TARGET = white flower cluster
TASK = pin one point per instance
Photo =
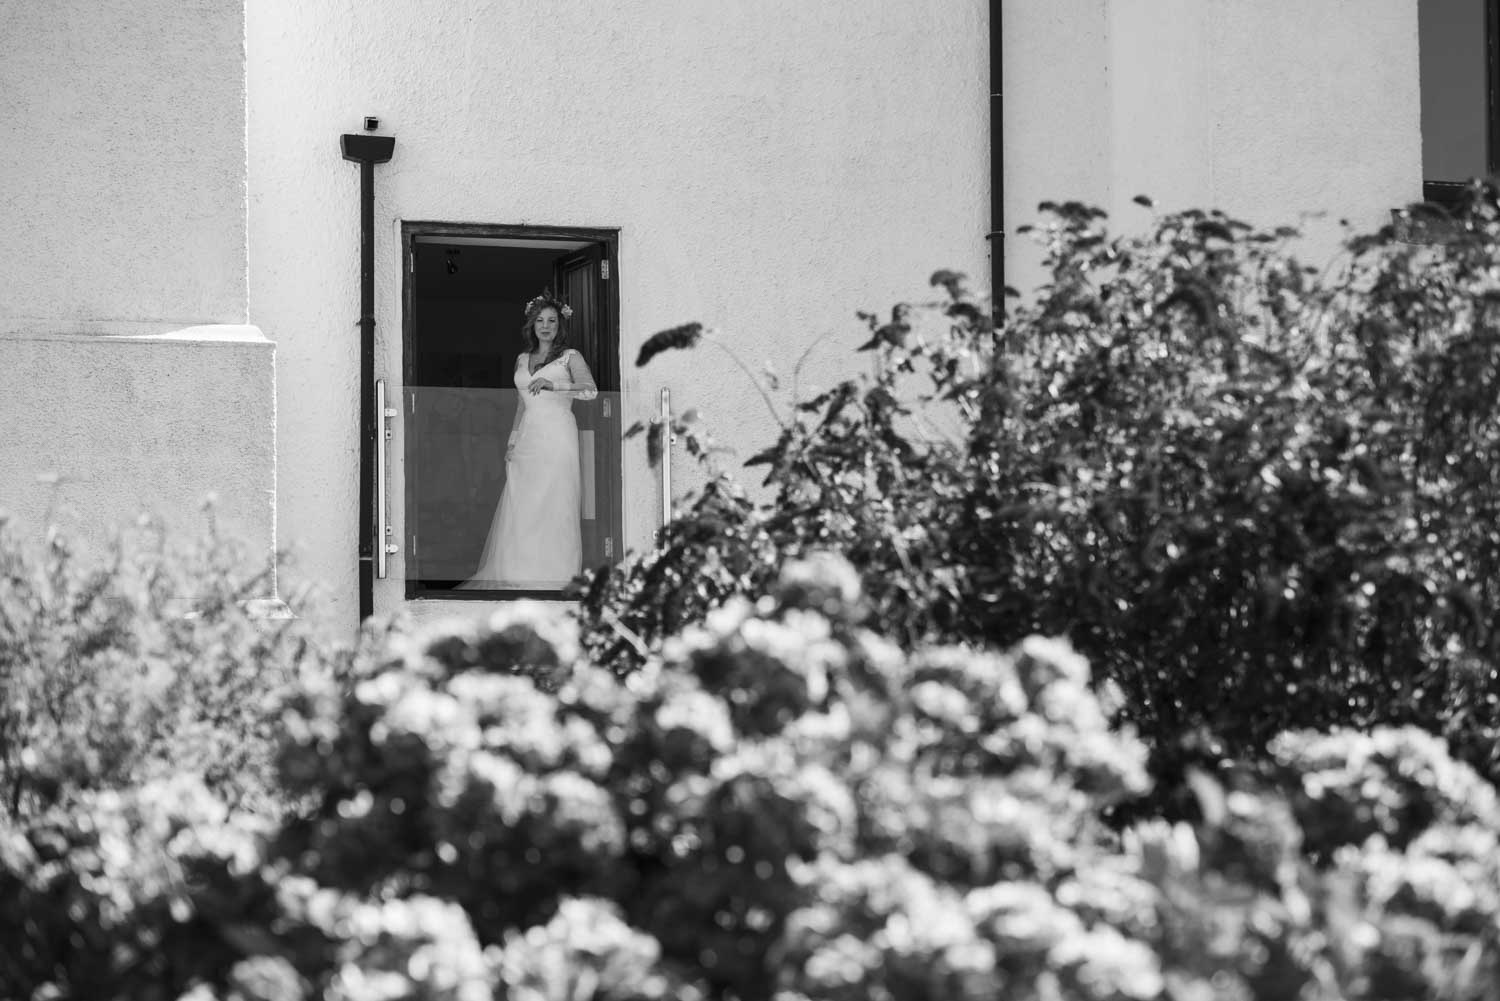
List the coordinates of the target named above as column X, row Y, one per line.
column 547, row 300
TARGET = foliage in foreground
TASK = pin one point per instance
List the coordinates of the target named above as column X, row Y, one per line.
column 785, row 806
column 141, row 662
column 1256, row 495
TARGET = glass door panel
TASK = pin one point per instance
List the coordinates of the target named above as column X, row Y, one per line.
column 504, row 492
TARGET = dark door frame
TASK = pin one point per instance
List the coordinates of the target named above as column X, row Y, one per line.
column 603, row 424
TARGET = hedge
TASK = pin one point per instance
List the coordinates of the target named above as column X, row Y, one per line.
column 784, row 805
column 1257, row 494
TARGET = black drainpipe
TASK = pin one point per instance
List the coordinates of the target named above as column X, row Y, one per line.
column 997, row 164
column 367, row 151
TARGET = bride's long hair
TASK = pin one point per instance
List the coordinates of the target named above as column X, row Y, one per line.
column 528, row 332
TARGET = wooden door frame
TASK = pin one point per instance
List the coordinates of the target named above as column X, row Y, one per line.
column 607, row 506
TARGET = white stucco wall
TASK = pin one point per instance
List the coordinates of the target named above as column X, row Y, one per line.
column 1268, row 111
column 122, row 167
column 113, row 427
column 773, row 165
column 128, row 379
column 1058, row 118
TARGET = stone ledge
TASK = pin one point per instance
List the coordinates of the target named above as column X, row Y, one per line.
column 118, row 332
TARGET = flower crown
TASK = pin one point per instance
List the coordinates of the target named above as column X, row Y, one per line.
column 548, row 299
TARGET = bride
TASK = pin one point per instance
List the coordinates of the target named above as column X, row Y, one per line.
column 535, row 540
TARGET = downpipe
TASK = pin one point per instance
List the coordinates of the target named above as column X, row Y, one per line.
column 367, row 151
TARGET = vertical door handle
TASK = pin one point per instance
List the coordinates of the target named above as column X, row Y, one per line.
column 384, row 547
column 666, row 455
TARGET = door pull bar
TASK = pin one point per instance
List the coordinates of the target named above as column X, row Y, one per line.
column 384, row 547
column 668, row 439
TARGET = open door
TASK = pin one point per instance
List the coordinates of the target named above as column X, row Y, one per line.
column 455, row 393
column 582, row 280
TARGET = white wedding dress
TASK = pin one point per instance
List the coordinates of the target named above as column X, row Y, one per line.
column 535, row 541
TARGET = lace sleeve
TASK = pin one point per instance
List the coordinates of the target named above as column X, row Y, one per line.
column 581, row 378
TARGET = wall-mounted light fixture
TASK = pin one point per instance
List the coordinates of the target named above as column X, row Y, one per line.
column 453, row 253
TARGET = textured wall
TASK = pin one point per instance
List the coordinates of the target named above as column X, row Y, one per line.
column 127, row 377
column 111, row 427
column 122, row 168
column 1316, row 110
column 773, row 165
column 1058, row 118
column 1268, row 111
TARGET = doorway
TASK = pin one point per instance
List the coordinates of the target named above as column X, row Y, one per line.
column 466, row 290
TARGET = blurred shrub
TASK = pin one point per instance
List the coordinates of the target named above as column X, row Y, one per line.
column 138, row 663
column 785, row 805
column 1258, row 495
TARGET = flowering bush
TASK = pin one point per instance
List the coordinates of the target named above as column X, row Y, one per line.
column 124, row 893
column 141, row 662
column 783, row 805
column 1257, row 495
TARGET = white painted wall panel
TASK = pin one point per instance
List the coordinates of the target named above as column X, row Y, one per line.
column 129, row 379
column 1274, row 112
column 101, row 430
column 122, row 169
